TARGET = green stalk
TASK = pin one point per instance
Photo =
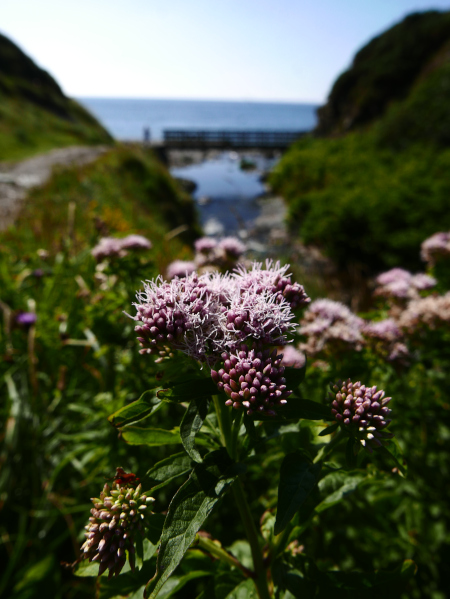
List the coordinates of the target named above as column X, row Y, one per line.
column 220, row 553
column 260, row 578
column 326, row 450
column 224, row 419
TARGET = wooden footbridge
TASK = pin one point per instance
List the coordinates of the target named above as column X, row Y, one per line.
column 229, row 139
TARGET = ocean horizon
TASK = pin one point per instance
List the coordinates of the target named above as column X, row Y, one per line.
column 127, row 118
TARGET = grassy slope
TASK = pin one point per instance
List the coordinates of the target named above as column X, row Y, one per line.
column 35, row 115
column 125, row 191
column 369, row 198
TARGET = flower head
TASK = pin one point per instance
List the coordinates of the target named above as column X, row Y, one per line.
column 253, row 380
column 232, row 247
column 205, row 245
column 435, row 246
column 401, row 284
column 135, row 242
column 112, row 247
column 118, row 515
column 327, row 323
column 273, row 279
column 26, row 319
column 180, row 268
column 361, row 411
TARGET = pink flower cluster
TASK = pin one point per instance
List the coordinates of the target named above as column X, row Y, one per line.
column 207, row 316
column 253, row 380
column 432, row 311
column 401, row 284
column 327, row 324
column 361, row 411
column 438, row 245
column 112, row 247
column 210, row 254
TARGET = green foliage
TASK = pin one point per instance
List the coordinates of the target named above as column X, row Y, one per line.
column 384, row 71
column 368, row 208
column 35, row 115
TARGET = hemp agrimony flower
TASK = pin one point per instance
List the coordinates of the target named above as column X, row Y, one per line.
column 361, row 411
column 252, row 380
column 118, row 515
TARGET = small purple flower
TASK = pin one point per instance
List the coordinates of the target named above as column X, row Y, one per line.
column 431, row 312
column 422, row 281
column 385, row 330
column 26, row 319
column 393, row 276
column 119, row 514
column 108, row 247
column 272, row 279
column 232, row 247
column 38, row 273
column 205, row 245
column 326, row 324
column 252, row 380
column 135, row 242
column 361, row 411
column 401, row 284
column 293, row 357
column 180, row 268
column 435, row 246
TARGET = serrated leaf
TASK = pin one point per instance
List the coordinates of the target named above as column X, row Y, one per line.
column 188, row 510
column 135, row 435
column 298, row 477
column 166, row 470
column 190, row 425
column 145, row 406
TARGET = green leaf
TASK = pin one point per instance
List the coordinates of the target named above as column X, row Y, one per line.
column 188, row 510
column 392, row 450
column 174, row 584
column 134, row 435
column 298, row 477
column 190, row 425
column 187, row 391
column 166, row 470
column 346, row 484
column 294, row 376
column 329, row 430
column 228, row 586
column 145, row 406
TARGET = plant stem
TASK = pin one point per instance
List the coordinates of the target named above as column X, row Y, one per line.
column 220, row 553
column 326, row 450
column 223, row 417
column 260, row 578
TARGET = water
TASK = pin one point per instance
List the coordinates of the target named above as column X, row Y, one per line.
column 227, row 196
column 125, row 119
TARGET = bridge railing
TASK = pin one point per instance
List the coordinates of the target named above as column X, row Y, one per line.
column 178, row 138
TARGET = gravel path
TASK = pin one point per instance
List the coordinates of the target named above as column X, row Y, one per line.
column 17, row 178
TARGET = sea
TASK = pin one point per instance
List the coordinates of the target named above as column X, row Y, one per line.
column 227, row 197
column 126, row 119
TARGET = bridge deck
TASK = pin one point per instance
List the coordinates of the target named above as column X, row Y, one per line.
column 236, row 139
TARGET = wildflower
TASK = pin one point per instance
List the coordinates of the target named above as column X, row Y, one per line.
column 205, row 245
column 180, row 268
column 135, row 242
column 327, row 324
column 112, row 247
column 118, row 515
column 232, row 247
column 435, row 246
column 386, row 336
column 293, row 357
column 272, row 279
column 431, row 311
column 26, row 319
column 401, row 284
column 252, row 379
column 361, row 411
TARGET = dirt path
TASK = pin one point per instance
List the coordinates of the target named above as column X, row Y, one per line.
column 17, row 178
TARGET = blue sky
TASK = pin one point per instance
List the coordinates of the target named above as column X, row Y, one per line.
column 282, row 50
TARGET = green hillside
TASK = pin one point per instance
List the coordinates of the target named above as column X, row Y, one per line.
column 35, row 115
column 368, row 197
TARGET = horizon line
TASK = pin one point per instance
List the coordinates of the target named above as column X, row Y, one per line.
column 230, row 100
